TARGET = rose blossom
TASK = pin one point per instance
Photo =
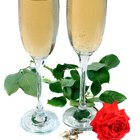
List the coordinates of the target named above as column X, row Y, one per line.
column 110, row 123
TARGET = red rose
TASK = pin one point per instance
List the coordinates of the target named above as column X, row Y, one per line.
column 110, row 123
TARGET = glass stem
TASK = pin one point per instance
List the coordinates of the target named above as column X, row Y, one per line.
column 38, row 65
column 83, row 66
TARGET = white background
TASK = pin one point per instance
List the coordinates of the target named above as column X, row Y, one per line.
column 121, row 37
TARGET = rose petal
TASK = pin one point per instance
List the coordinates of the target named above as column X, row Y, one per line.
column 110, row 123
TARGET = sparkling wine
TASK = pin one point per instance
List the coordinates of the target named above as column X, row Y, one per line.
column 38, row 25
column 86, row 20
column 38, row 20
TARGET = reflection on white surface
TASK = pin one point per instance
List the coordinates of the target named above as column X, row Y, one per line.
column 121, row 38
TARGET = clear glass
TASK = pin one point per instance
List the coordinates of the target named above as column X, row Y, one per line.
column 85, row 22
column 38, row 21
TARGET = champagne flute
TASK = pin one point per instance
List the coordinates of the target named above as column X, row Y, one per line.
column 85, row 22
column 38, row 20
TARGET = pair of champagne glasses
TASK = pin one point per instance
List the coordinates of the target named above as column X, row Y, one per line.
column 38, row 21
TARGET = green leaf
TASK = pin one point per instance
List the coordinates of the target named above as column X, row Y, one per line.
column 70, row 66
column 11, row 83
column 55, row 87
column 75, row 94
column 96, row 87
column 33, row 69
column 76, row 85
column 67, row 82
column 67, row 91
column 75, row 75
column 28, row 83
column 95, row 66
column 96, row 99
column 110, row 96
column 74, row 103
column 58, row 101
column 60, row 67
column 75, row 90
column 81, row 114
column 72, row 92
column 101, row 75
column 58, row 72
column 90, row 102
column 110, row 61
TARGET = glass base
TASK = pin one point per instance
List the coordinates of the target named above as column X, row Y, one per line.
column 39, row 122
column 84, row 124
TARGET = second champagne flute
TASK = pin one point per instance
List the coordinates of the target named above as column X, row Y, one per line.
column 85, row 21
column 38, row 20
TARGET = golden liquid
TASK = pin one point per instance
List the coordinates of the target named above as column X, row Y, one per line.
column 86, row 20
column 38, row 25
